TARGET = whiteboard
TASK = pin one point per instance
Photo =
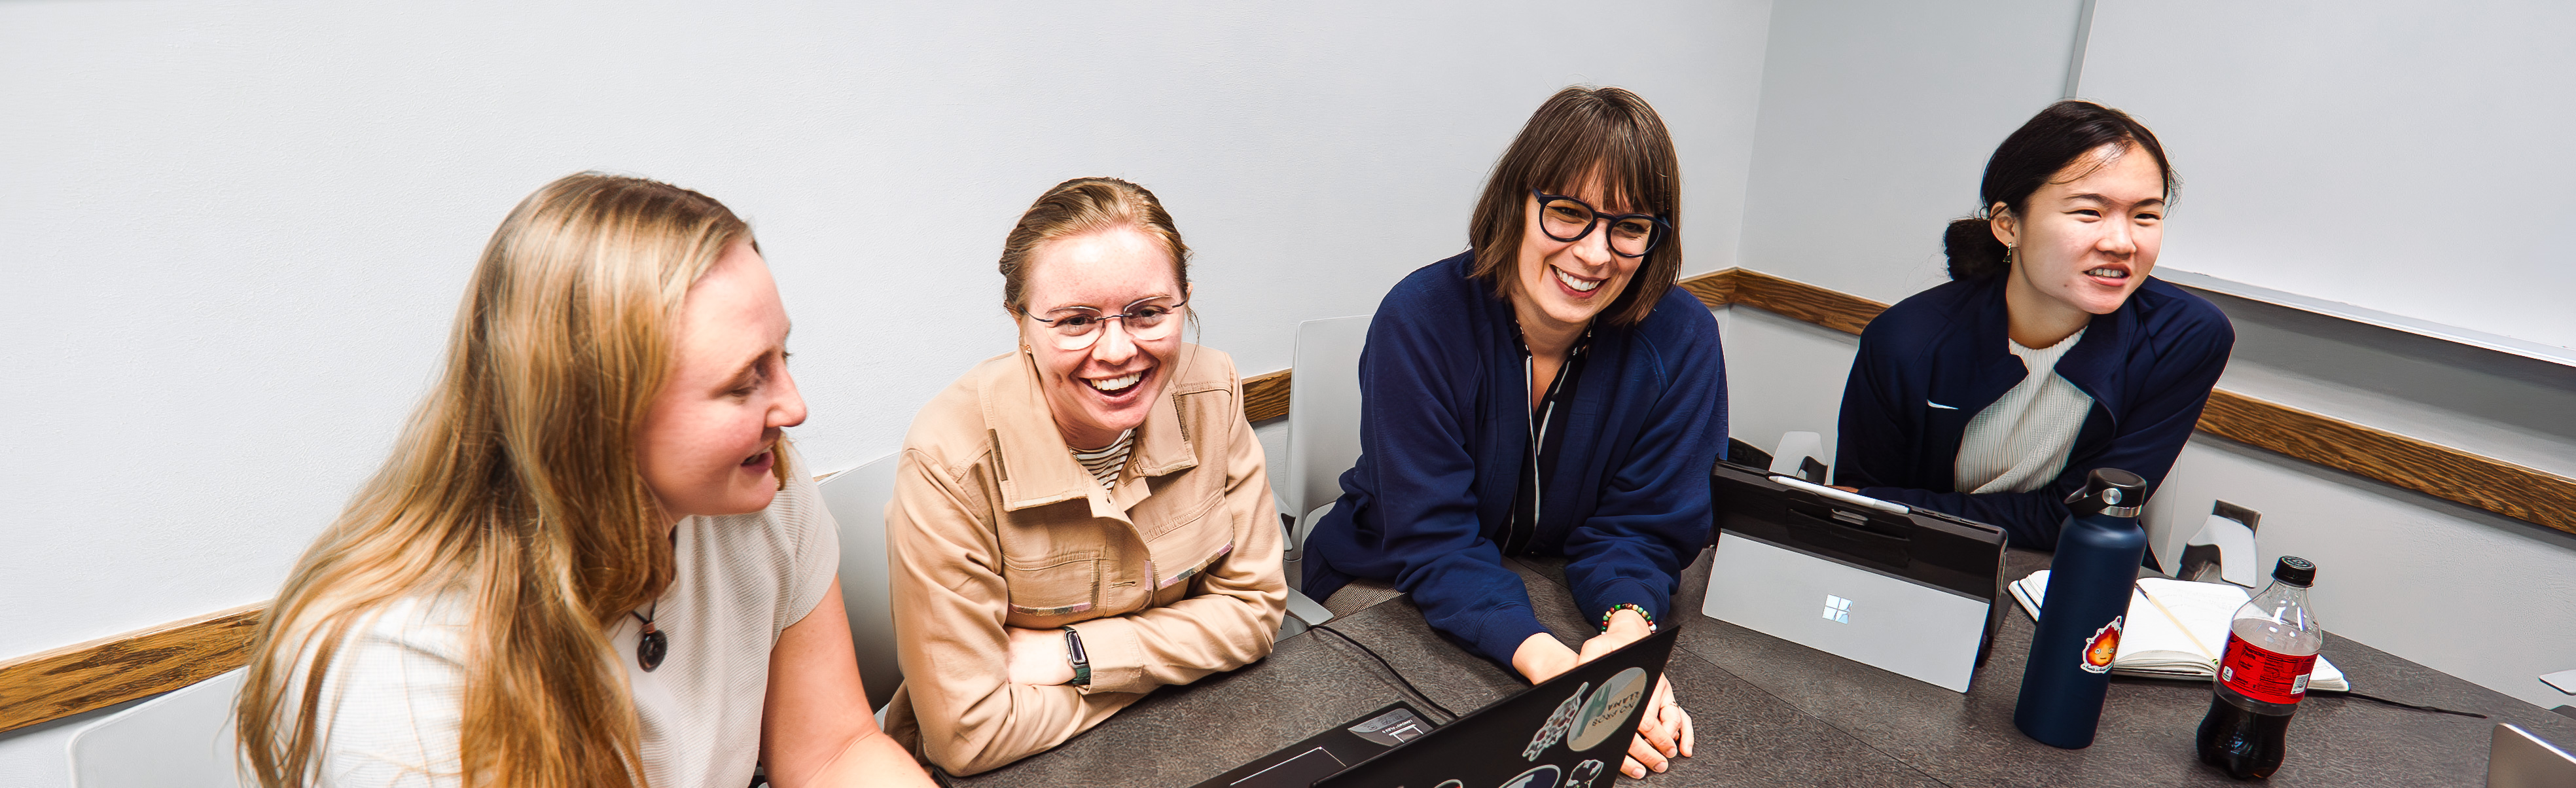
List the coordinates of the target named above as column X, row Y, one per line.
column 2407, row 158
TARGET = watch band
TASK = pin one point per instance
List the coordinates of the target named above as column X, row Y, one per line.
column 1081, row 661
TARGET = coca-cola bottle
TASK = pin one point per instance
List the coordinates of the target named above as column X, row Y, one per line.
column 2271, row 647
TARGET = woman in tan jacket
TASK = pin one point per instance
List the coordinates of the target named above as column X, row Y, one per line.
column 1085, row 518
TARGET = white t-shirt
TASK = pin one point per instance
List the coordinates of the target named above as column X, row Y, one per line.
column 2019, row 444
column 391, row 704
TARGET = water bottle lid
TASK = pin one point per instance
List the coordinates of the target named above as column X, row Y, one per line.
column 2295, row 571
column 2110, row 491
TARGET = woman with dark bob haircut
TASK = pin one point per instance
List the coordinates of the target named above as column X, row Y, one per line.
column 2050, row 352
column 1547, row 392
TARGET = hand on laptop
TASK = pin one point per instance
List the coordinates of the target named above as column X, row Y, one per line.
column 1541, row 657
column 1663, row 733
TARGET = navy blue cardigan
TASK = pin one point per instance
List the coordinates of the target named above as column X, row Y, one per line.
column 1442, row 427
column 1929, row 364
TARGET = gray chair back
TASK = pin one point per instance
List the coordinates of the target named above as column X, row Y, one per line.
column 183, row 739
column 1323, row 419
column 857, row 498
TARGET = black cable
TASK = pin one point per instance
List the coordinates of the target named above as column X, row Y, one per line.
column 2404, row 705
column 1391, row 671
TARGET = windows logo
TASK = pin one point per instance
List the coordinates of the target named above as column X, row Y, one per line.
column 1837, row 609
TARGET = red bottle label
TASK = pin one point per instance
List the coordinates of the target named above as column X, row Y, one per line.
column 2264, row 675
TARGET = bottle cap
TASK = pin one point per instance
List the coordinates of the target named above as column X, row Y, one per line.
column 2110, row 491
column 2295, row 571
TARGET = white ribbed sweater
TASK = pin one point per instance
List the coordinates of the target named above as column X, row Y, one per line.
column 2019, row 444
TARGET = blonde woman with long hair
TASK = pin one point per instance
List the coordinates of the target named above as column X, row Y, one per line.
column 593, row 558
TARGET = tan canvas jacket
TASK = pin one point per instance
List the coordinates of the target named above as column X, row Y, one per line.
column 1171, row 574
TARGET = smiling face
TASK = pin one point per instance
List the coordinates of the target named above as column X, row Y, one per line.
column 1563, row 285
column 2090, row 235
column 708, row 444
column 1097, row 392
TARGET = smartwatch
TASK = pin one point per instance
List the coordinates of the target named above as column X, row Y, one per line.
column 1081, row 661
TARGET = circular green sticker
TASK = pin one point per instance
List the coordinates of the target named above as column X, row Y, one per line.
column 1606, row 709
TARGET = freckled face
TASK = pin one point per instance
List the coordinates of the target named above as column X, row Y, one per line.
column 1097, row 392
column 1569, row 282
column 2092, row 232
column 708, row 444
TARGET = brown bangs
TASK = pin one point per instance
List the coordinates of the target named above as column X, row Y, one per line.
column 1581, row 133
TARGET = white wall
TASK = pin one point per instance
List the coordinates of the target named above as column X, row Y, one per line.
column 2402, row 138
column 236, row 231
column 1876, row 121
column 1877, row 117
column 1782, row 375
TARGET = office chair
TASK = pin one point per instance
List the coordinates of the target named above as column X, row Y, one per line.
column 1323, row 441
column 1323, row 425
column 857, row 498
column 183, row 739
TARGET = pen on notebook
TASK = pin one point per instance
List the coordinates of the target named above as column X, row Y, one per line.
column 2177, row 622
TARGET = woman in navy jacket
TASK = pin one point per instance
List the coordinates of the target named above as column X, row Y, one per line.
column 1547, row 392
column 1942, row 410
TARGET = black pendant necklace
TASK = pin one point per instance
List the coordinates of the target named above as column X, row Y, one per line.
column 653, row 645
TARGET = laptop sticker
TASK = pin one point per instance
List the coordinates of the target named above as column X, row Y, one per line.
column 1602, row 715
column 1583, row 775
column 1541, row 777
column 1392, row 728
column 1557, row 723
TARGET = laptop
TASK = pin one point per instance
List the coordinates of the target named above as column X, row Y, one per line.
column 1569, row 732
column 1905, row 590
column 2517, row 759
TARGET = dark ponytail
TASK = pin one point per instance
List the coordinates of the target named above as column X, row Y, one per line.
column 2057, row 137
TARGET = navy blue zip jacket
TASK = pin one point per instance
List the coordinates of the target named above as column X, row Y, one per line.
column 1443, row 421
column 1930, row 363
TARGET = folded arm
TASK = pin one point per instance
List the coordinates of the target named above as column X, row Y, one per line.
column 951, row 601
column 1233, row 610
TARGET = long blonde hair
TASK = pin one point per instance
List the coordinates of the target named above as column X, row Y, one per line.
column 516, row 487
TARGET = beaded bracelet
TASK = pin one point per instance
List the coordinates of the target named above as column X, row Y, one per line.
column 1641, row 612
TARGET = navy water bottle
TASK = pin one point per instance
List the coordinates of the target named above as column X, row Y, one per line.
column 2098, row 550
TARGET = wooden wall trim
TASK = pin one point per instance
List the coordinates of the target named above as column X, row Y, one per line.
column 2504, row 488
column 1791, row 298
column 1265, row 397
column 111, row 670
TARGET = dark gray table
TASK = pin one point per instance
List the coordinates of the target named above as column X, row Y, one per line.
column 1770, row 712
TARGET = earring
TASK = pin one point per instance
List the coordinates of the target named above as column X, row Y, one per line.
column 2009, row 249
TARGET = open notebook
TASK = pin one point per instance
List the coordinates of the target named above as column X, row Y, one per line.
column 2175, row 629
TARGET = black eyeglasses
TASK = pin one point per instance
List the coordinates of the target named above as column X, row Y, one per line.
column 1567, row 219
column 1145, row 322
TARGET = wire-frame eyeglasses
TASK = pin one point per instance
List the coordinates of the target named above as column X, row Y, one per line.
column 1145, row 322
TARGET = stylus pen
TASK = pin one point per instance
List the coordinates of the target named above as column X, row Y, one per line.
column 1853, row 498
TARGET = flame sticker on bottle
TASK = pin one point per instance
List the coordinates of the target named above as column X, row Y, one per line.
column 2104, row 646
column 2262, row 674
